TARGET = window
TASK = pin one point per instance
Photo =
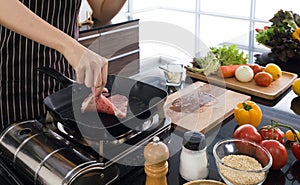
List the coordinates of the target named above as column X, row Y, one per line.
column 213, row 22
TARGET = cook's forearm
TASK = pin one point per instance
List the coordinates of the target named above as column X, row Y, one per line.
column 17, row 17
column 105, row 10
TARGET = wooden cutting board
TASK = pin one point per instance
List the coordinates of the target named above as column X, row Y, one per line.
column 270, row 93
column 201, row 106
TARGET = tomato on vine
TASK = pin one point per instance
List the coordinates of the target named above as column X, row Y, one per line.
column 289, row 135
column 272, row 132
column 296, row 150
column 296, row 143
column 278, row 153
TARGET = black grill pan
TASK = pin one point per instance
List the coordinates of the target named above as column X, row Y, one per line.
column 145, row 109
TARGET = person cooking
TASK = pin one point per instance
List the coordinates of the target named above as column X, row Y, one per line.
column 42, row 33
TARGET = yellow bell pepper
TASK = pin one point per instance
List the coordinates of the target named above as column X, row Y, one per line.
column 296, row 34
column 247, row 112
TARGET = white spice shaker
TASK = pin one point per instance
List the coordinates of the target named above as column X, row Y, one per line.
column 193, row 157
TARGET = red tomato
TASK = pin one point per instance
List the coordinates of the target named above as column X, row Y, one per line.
column 278, row 152
column 247, row 132
column 258, row 29
column 256, row 68
column 269, row 132
column 245, row 148
column 262, row 156
column 296, row 150
column 263, row 79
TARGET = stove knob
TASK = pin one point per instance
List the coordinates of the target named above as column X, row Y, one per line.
column 156, row 154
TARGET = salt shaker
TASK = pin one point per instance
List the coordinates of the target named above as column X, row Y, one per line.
column 193, row 158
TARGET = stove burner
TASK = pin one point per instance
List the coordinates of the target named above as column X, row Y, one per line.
column 88, row 142
column 110, row 151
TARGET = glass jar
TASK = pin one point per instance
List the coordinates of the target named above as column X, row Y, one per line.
column 193, row 157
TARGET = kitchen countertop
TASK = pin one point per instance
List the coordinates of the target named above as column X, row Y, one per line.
column 118, row 20
column 282, row 109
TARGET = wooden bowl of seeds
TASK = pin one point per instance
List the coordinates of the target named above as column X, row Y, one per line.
column 204, row 182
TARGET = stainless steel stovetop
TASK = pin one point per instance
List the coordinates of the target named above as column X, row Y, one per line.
column 43, row 155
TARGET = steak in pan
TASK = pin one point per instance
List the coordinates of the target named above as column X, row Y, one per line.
column 114, row 105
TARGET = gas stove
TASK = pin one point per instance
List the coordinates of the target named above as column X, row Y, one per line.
column 42, row 154
column 107, row 152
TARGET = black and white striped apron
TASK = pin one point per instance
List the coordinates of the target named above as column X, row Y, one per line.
column 22, row 89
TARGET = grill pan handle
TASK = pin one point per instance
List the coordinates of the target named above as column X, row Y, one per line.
column 64, row 80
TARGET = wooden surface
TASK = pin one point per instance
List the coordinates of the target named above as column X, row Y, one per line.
column 204, row 182
column 270, row 93
column 207, row 116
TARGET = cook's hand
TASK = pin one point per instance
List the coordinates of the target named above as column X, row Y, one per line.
column 91, row 68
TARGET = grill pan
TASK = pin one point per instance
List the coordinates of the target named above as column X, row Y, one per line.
column 145, row 108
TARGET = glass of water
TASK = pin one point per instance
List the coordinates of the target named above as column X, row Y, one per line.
column 173, row 74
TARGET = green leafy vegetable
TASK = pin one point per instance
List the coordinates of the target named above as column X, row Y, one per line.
column 216, row 57
column 286, row 19
column 279, row 36
column 207, row 65
column 265, row 36
column 230, row 55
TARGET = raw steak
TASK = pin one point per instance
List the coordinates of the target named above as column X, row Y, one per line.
column 113, row 105
column 191, row 102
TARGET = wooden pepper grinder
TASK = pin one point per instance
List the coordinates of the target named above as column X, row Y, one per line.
column 156, row 154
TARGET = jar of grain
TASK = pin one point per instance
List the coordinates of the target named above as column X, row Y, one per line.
column 193, row 157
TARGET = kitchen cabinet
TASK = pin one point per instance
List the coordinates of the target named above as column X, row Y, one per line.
column 117, row 41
